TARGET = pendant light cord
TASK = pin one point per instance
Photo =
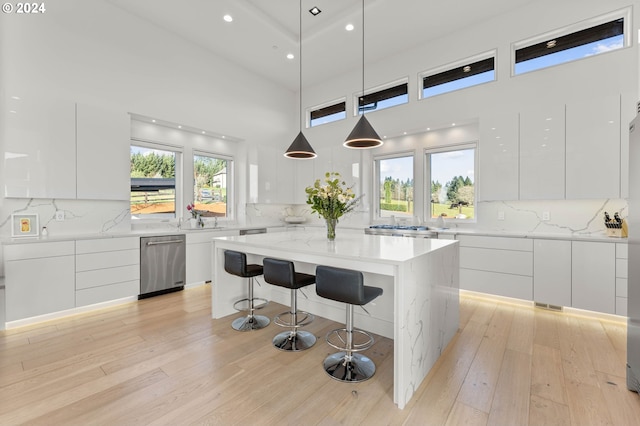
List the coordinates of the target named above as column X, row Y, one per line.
column 300, row 59
column 363, row 57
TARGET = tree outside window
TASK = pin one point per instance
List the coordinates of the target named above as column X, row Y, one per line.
column 455, row 198
column 396, row 186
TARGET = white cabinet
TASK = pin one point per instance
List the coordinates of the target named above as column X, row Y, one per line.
column 593, row 149
column 199, row 252
column 497, row 265
column 498, row 156
column 304, row 176
column 542, row 146
column 593, row 269
column 40, row 148
column 106, row 269
column 622, row 269
column 57, row 149
column 273, row 181
column 552, row 272
column 103, row 154
column 40, row 278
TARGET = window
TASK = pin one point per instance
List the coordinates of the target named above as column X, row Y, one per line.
column 395, row 186
column 211, row 184
column 153, row 182
column 603, row 34
column 384, row 98
column 328, row 114
column 460, row 75
column 451, row 172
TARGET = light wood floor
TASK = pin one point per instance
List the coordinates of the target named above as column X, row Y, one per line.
column 164, row 361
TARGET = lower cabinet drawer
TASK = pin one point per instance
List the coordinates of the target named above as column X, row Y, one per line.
column 101, row 277
column 107, row 293
column 502, row 261
column 517, row 286
column 621, row 306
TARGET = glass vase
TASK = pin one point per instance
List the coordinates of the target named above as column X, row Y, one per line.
column 331, row 229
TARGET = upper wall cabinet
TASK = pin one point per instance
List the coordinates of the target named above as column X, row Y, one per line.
column 40, row 148
column 542, row 158
column 271, row 179
column 57, row 149
column 103, row 164
column 498, row 157
column 593, row 149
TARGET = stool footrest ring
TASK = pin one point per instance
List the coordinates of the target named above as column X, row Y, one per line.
column 264, row 302
column 337, row 339
column 304, row 318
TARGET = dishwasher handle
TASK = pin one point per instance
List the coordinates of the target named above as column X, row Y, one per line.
column 156, row 243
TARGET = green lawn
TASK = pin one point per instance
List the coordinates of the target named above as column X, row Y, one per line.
column 438, row 209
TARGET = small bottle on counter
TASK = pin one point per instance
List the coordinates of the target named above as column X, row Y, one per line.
column 45, row 233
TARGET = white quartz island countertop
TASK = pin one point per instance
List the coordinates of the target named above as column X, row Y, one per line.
column 419, row 308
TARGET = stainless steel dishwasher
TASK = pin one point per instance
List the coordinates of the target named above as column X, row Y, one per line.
column 162, row 264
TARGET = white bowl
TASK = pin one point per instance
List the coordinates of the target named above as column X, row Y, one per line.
column 294, row 219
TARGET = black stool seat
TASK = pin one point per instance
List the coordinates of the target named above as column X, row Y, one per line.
column 235, row 263
column 282, row 273
column 347, row 286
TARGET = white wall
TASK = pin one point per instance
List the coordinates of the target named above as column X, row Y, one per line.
column 611, row 73
column 88, row 51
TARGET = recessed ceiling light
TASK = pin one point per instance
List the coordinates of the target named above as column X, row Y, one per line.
column 179, row 127
column 153, row 121
column 15, row 98
column 224, row 137
column 203, row 132
column 349, row 27
column 453, row 124
column 228, row 18
column 314, row 11
column 290, row 56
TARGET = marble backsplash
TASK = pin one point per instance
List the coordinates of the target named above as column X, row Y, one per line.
column 567, row 217
column 82, row 217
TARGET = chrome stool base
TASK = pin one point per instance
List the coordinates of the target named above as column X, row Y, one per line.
column 357, row 368
column 294, row 341
column 251, row 322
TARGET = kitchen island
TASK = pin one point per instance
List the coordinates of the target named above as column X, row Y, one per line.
column 419, row 308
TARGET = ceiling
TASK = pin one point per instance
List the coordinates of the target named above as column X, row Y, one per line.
column 264, row 31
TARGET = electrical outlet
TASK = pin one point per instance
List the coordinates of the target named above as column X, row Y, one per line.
column 59, row 215
column 500, row 215
column 546, row 216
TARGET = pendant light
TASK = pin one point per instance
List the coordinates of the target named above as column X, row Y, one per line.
column 300, row 148
column 363, row 136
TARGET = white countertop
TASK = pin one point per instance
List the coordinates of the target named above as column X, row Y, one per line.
column 347, row 245
column 523, row 234
column 602, row 237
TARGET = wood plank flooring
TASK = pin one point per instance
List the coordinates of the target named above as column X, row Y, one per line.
column 164, row 361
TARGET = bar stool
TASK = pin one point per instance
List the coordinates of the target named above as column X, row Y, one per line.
column 344, row 285
column 235, row 263
column 282, row 273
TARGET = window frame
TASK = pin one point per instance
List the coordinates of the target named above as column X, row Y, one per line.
column 451, row 66
column 329, row 104
column 230, row 214
column 586, row 24
column 375, row 90
column 376, row 180
column 179, row 180
column 427, row 179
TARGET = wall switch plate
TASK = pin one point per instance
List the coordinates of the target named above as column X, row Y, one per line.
column 546, row 216
column 500, row 215
column 59, row 215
